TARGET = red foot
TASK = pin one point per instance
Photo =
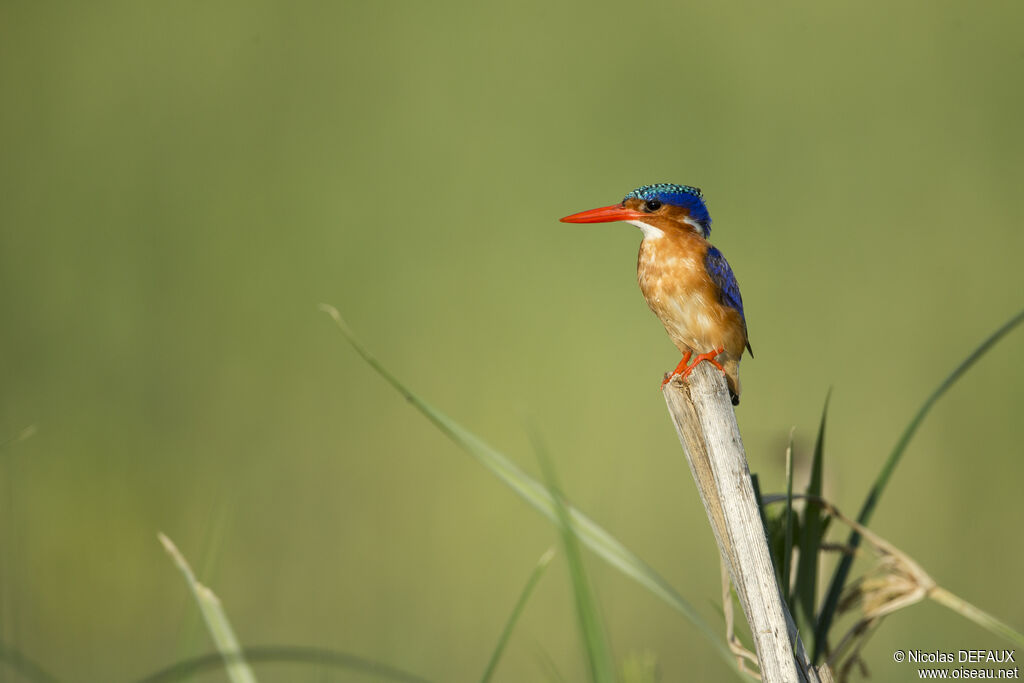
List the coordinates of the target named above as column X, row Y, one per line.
column 683, row 370
column 679, row 369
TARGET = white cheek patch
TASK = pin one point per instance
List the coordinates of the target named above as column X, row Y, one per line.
column 650, row 232
column 695, row 224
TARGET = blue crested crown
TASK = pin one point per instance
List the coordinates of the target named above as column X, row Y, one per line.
column 684, row 196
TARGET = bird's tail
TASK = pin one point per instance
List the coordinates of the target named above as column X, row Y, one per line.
column 732, row 377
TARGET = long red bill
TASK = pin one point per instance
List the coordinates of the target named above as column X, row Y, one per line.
column 605, row 214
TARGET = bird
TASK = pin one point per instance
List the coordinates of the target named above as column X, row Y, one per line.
column 685, row 280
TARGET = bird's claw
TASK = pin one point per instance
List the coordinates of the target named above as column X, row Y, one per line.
column 669, row 376
column 710, row 357
column 684, row 369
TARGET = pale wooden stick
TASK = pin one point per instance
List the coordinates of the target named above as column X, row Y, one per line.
column 743, row 655
column 704, row 418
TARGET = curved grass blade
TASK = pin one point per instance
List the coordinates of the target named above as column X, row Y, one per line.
column 842, row 570
column 549, row 666
column 9, row 618
column 191, row 636
column 27, row 668
column 641, row 667
column 606, row 546
column 595, row 640
column 531, row 583
column 811, row 531
column 787, row 548
column 24, row 435
column 283, row 655
column 216, row 620
column 976, row 614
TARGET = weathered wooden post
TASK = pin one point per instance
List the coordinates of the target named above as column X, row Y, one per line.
column 704, row 418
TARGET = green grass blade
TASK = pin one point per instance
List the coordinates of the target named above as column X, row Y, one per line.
column 24, row 435
column 842, row 570
column 595, row 641
column 606, row 546
column 531, row 583
column 191, row 633
column 897, row 452
column 216, row 620
column 978, row 616
column 275, row 654
column 811, row 530
column 787, row 548
column 10, row 529
column 549, row 666
column 641, row 667
column 29, row 669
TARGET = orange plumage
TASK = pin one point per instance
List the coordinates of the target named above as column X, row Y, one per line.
column 685, row 281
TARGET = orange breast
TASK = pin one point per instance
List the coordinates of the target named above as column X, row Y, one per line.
column 677, row 287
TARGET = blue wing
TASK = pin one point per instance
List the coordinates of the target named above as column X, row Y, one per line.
column 729, row 290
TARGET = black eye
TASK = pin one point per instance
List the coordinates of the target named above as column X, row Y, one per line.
column 652, row 205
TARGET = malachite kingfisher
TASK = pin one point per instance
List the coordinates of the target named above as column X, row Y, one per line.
column 686, row 281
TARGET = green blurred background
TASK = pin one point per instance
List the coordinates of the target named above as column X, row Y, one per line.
column 181, row 183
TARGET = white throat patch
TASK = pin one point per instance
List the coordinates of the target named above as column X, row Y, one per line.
column 650, row 232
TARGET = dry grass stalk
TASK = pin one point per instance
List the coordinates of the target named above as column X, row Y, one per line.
column 894, row 582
